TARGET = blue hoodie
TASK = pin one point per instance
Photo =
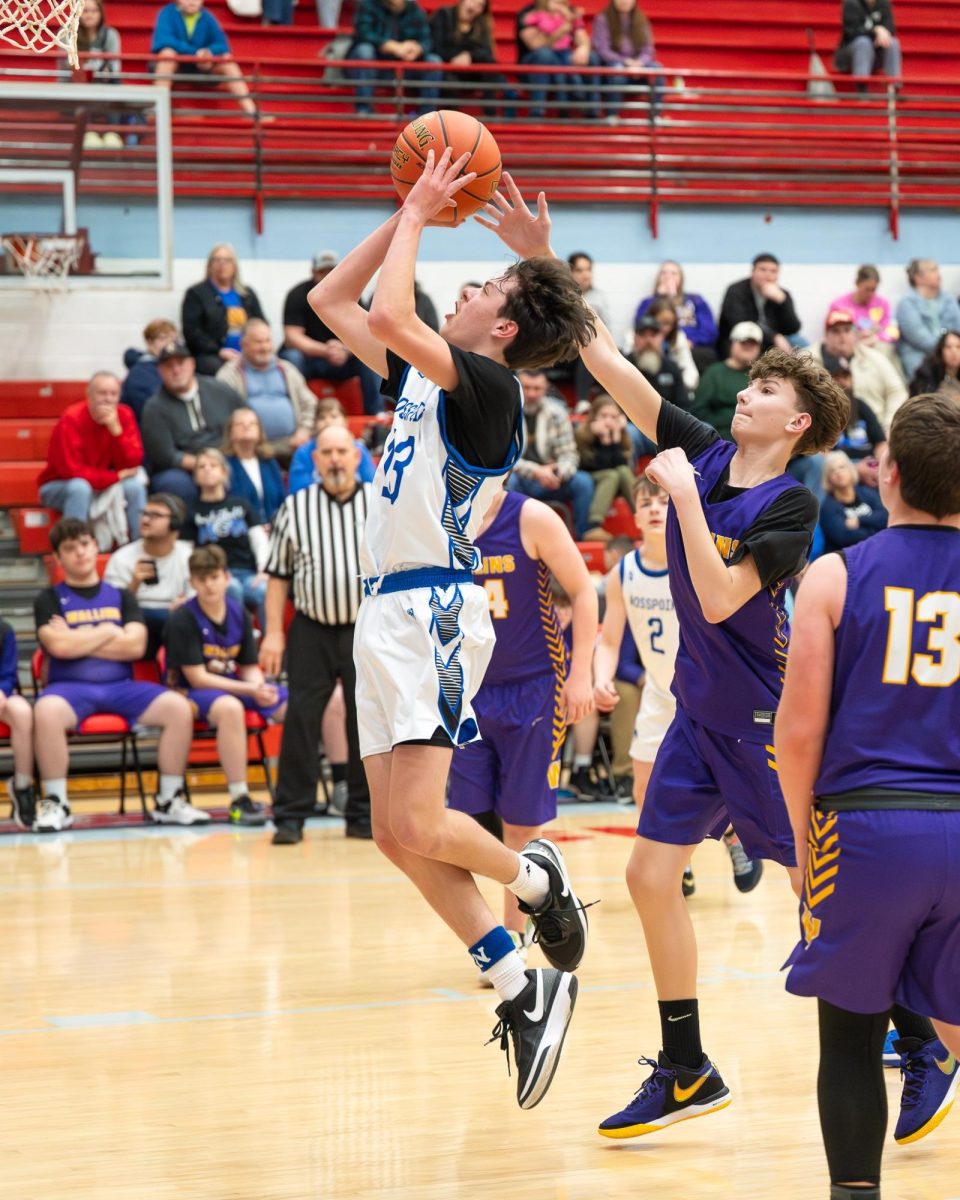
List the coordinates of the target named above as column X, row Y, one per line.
column 170, row 33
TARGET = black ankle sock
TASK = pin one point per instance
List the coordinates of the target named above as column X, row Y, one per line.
column 339, row 772
column 680, row 1029
column 839, row 1191
column 912, row 1025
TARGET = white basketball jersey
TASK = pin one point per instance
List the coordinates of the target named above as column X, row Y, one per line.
column 426, row 503
column 653, row 621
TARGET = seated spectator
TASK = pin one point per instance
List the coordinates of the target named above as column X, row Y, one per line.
column 722, row 382
column 254, row 473
column 621, row 36
column 188, row 413
column 675, row 344
column 552, row 33
column 870, row 313
column 868, row 41
column 761, row 299
column 143, row 378
column 92, row 633
column 17, row 714
column 218, row 518
column 581, row 268
column 548, row 469
column 186, row 29
column 924, row 315
column 693, row 313
column 273, row 388
column 875, row 379
column 303, row 469
column 606, row 453
column 939, row 370
column 212, row 660
column 96, row 37
column 313, row 349
column 153, row 569
column 864, row 439
column 397, row 31
column 850, row 511
column 462, row 37
column 278, row 12
column 216, row 311
column 96, row 448
column 652, row 361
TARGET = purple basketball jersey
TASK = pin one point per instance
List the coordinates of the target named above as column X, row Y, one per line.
column 529, row 641
column 729, row 676
column 895, row 710
column 77, row 611
column 220, row 649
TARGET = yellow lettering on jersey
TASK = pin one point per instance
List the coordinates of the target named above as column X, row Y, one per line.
column 92, row 616
column 725, row 545
column 497, row 564
column 497, row 599
column 553, row 774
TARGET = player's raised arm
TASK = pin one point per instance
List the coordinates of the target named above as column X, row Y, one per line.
column 529, row 236
column 393, row 317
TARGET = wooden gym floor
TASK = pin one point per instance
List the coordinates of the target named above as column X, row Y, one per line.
column 199, row 1014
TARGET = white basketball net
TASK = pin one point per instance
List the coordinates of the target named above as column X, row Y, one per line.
column 41, row 25
column 46, row 259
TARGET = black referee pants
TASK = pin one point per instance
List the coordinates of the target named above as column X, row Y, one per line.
column 317, row 656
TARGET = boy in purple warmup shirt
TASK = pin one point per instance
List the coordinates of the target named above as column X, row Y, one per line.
column 868, row 743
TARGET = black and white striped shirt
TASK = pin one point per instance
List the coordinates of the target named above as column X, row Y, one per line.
column 315, row 543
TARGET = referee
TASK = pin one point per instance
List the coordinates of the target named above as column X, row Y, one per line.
column 315, row 548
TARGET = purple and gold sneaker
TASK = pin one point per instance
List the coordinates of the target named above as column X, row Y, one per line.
column 930, row 1077
column 672, row 1093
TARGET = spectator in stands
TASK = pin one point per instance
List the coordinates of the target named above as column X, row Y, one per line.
column 153, row 569
column 212, row 660
column 621, row 36
column 650, row 358
column 218, row 518
column 17, row 714
column 675, row 344
column 864, row 439
column 606, row 453
column 185, row 29
column 96, row 447
column 761, row 299
column 868, row 41
column 923, row 315
column 254, row 473
column 96, row 37
column 143, row 378
column 188, row 413
column 871, row 313
column 278, row 12
column 850, row 511
column 273, row 388
column 312, row 348
column 92, row 633
column 693, row 312
column 303, row 469
column 548, row 469
column 398, row 31
column 940, row 370
column 722, row 382
column 581, row 268
column 875, row 379
column 216, row 311
column 462, row 37
column 552, row 33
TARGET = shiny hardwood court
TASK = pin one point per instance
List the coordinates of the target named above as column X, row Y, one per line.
column 198, row 1014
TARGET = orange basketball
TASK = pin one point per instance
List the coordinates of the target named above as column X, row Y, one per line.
column 465, row 135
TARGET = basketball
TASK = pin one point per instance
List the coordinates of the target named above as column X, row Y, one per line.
column 464, row 135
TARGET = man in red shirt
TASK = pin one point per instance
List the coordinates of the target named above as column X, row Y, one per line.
column 95, row 444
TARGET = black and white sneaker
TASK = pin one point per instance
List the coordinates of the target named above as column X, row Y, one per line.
column 24, row 803
column 244, row 811
column 53, row 816
column 560, row 923
column 536, row 1022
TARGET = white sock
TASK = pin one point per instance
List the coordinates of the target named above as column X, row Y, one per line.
column 22, row 781
column 56, row 788
column 168, row 787
column 532, row 884
column 508, row 975
column 581, row 760
column 237, row 790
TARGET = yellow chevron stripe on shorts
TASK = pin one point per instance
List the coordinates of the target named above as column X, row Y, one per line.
column 557, row 650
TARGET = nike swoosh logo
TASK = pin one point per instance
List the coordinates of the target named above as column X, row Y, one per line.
column 536, row 1013
column 948, row 1066
column 682, row 1094
column 685, row 1017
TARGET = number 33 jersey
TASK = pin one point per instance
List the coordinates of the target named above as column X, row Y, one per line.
column 653, row 621
column 445, row 459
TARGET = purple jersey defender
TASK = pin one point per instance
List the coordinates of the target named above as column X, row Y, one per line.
column 515, row 769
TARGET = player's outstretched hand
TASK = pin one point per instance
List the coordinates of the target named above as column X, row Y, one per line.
column 605, row 696
column 436, row 187
column 672, row 471
column 576, row 699
column 514, row 223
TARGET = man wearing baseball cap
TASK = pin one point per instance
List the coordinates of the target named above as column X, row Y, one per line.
column 721, row 382
column 875, row 379
column 312, row 347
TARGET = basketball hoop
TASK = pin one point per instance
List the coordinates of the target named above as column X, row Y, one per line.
column 41, row 25
column 44, row 259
